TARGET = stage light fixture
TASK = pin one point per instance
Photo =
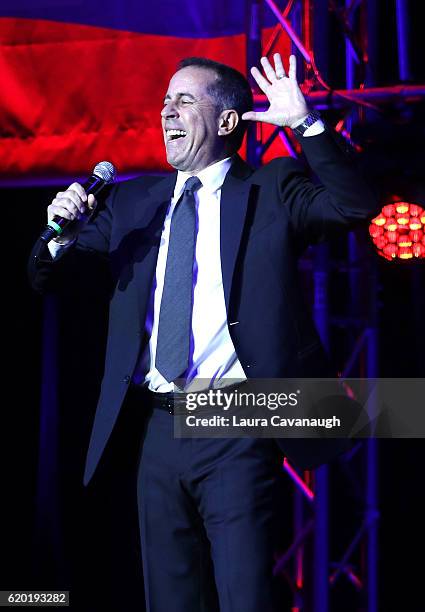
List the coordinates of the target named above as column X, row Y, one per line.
column 398, row 231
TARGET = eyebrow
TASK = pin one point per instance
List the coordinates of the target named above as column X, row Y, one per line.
column 180, row 95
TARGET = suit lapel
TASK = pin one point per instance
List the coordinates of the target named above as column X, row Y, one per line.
column 159, row 193
column 150, row 223
column 233, row 208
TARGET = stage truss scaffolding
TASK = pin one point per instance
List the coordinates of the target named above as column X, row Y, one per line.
column 307, row 564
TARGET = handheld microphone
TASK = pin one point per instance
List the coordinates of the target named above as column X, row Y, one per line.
column 103, row 174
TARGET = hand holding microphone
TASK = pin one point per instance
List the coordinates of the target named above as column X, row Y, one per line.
column 74, row 206
column 71, row 209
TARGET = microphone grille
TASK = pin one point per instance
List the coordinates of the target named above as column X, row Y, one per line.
column 106, row 171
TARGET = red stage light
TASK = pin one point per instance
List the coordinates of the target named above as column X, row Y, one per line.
column 392, row 236
column 418, row 249
column 398, row 231
column 402, row 207
column 416, row 235
column 391, row 225
column 389, row 210
column 379, row 220
column 415, row 223
column 404, row 240
column 380, row 242
column 402, row 218
column 390, row 250
column 405, row 253
column 415, row 210
column 375, row 230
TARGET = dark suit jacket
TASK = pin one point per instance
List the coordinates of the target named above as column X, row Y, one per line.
column 267, row 218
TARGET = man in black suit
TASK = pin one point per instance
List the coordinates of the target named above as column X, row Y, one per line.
column 205, row 277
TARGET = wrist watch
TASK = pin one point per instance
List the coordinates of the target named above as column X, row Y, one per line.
column 308, row 121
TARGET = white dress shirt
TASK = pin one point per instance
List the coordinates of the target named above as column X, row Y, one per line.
column 214, row 359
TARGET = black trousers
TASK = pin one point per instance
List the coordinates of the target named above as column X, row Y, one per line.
column 207, row 520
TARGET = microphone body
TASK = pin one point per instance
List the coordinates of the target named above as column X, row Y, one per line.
column 103, row 175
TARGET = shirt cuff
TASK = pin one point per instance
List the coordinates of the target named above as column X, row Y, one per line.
column 56, row 249
column 316, row 128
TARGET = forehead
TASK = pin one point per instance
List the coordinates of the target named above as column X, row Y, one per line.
column 192, row 80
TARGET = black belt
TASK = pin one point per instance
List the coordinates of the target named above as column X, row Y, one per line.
column 160, row 401
column 167, row 401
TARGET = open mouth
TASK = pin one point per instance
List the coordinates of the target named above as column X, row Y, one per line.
column 175, row 134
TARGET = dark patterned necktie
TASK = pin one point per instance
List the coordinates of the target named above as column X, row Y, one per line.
column 175, row 315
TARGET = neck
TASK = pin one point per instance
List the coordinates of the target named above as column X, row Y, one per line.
column 223, row 155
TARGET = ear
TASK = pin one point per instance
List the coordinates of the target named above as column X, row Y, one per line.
column 227, row 122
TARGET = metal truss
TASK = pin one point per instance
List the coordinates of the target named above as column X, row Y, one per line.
column 297, row 20
column 307, row 564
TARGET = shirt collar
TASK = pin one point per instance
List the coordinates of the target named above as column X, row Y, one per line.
column 212, row 177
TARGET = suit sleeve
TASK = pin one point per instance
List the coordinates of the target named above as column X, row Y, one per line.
column 341, row 200
column 43, row 271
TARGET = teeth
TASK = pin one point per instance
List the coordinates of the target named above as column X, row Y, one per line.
column 175, row 133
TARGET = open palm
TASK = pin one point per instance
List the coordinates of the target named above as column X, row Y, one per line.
column 287, row 103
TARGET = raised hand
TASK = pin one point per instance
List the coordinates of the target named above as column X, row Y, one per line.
column 287, row 103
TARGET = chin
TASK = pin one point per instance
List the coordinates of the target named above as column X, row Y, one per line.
column 178, row 164
column 175, row 165
column 173, row 162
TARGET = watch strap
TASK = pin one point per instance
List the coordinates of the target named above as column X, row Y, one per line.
column 308, row 121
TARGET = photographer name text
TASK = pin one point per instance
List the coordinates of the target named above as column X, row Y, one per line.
column 273, row 421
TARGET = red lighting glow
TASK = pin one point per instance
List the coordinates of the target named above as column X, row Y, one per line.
column 305, row 489
column 404, row 241
column 416, row 235
column 388, row 210
column 414, row 223
column 398, row 231
column 390, row 225
column 402, row 218
column 402, row 207
column 415, row 210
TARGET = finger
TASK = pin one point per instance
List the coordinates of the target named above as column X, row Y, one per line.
column 252, row 116
column 67, row 204
column 91, row 202
column 268, row 69
column 72, row 195
column 79, row 189
column 262, row 83
column 292, row 73
column 61, row 211
column 278, row 66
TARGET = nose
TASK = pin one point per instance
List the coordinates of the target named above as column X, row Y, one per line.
column 169, row 111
